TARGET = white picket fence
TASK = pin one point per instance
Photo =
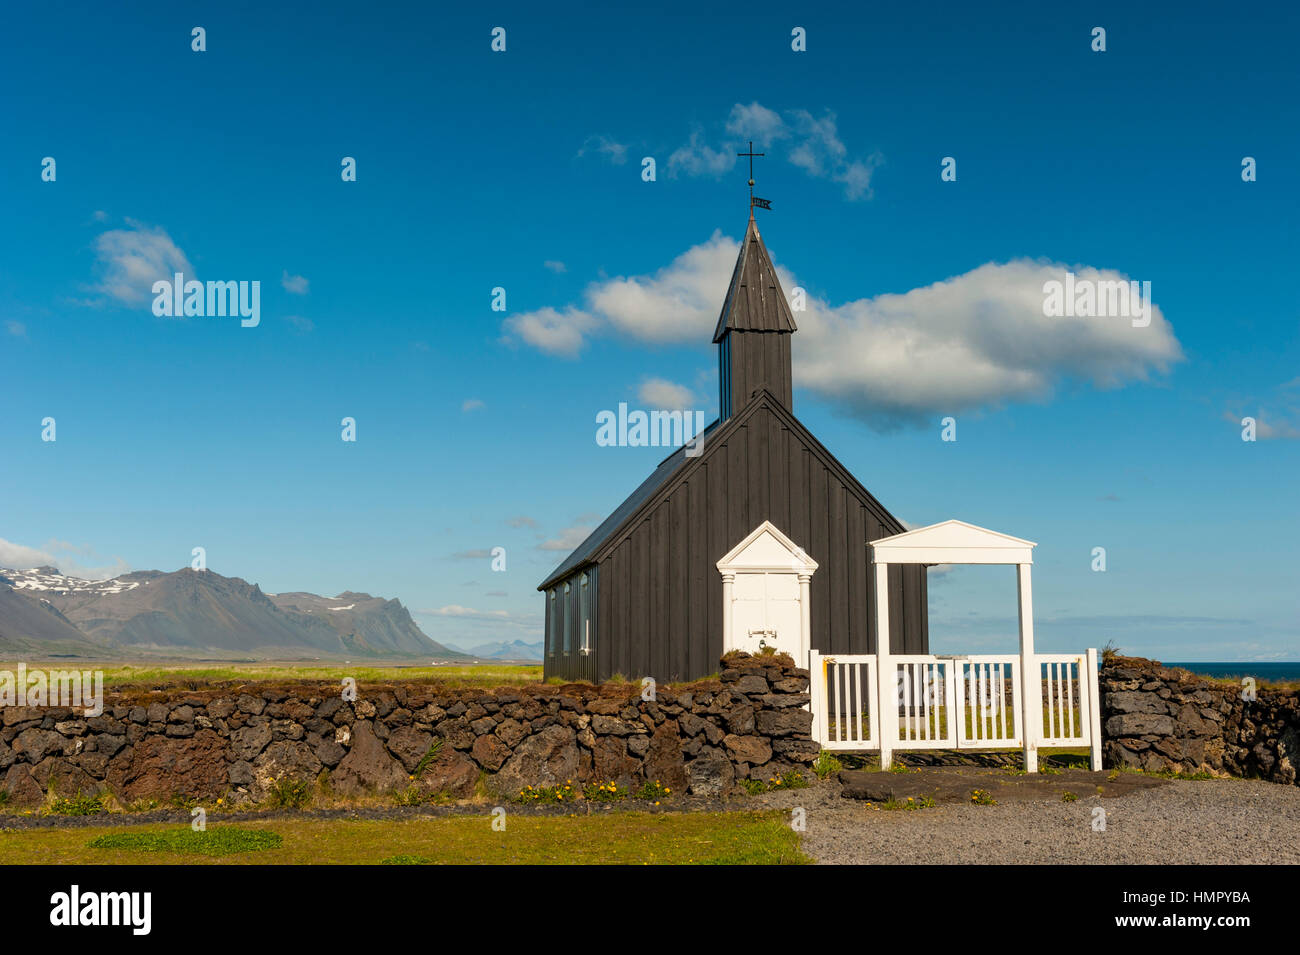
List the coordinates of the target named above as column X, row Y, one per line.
column 971, row 702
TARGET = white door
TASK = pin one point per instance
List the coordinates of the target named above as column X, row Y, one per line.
column 766, row 612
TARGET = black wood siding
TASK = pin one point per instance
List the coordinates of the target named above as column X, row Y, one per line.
column 660, row 594
column 754, row 361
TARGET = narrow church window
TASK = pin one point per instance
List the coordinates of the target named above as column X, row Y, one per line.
column 552, row 631
column 724, row 367
column 570, row 621
column 584, row 613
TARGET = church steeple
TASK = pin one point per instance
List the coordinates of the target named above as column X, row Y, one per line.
column 754, row 329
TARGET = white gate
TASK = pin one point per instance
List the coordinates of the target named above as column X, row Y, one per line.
column 844, row 693
column 1069, row 699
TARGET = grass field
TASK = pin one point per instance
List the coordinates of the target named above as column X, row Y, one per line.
column 194, row 676
column 761, row 838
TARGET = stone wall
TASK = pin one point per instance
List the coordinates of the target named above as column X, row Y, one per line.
column 239, row 744
column 1158, row 719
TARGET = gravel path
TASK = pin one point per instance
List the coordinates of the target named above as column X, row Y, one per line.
column 1180, row 822
column 1202, row 822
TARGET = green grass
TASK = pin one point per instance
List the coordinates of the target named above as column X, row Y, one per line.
column 826, row 764
column 196, row 676
column 410, row 796
column 604, row 792
column 632, row 838
column 793, row 779
column 654, row 790
column 220, row 841
column 561, row 792
column 80, row 804
column 910, row 804
column 428, row 757
column 290, row 793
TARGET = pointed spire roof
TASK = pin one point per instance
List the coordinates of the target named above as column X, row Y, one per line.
column 755, row 301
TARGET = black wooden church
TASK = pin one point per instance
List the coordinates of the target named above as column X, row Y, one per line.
column 759, row 538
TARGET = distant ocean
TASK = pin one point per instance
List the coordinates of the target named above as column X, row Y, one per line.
column 1270, row 672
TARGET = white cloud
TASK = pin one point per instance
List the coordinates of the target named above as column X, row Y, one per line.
column 19, row 557
column 756, row 122
column 810, row 142
column 300, row 323
column 556, row 332
column 670, row 306
column 675, row 302
column 658, row 393
column 472, row 404
column 455, row 610
column 17, row 329
column 856, row 177
column 698, row 159
column 130, row 260
column 568, row 538
column 603, row 146
column 521, row 521
column 56, row 553
column 974, row 340
column 559, row 268
column 1269, row 429
column 295, row 284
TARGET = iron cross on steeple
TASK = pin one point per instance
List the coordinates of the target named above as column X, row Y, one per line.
column 760, row 203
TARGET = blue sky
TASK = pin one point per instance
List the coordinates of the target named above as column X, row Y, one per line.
column 523, row 170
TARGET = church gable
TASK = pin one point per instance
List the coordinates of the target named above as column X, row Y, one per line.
column 766, row 548
column 660, row 588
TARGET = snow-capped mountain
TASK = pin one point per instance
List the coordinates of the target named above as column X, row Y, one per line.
column 200, row 612
column 48, row 580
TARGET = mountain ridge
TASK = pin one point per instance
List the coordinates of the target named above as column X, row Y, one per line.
column 188, row 612
column 505, row 650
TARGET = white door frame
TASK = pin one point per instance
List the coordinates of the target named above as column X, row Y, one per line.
column 789, row 559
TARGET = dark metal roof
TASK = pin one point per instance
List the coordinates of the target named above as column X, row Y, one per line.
column 755, row 301
column 584, row 551
column 677, row 464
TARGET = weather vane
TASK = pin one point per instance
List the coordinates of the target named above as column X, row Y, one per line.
column 760, row 203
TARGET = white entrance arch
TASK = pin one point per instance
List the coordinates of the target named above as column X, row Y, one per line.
column 972, row 694
column 766, row 580
column 954, row 542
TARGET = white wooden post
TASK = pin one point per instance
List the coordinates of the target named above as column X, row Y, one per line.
column 1094, row 709
column 805, row 615
column 727, row 581
column 1031, row 681
column 817, row 692
column 886, row 681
